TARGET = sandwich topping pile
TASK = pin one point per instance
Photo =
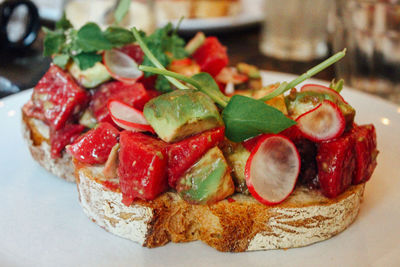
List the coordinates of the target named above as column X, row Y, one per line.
column 155, row 114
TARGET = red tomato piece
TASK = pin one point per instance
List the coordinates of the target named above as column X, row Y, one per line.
column 182, row 155
column 366, row 152
column 143, row 167
column 211, row 56
column 149, row 83
column 336, row 163
column 63, row 137
column 58, row 97
column 131, row 94
column 134, row 51
column 95, row 146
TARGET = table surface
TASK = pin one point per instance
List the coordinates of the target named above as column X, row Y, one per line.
column 25, row 68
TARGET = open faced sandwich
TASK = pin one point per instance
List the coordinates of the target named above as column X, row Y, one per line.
column 185, row 148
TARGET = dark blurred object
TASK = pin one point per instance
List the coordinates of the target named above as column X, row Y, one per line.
column 22, row 63
column 19, row 24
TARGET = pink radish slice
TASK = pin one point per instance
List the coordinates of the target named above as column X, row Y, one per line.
column 127, row 117
column 322, row 123
column 272, row 169
column 121, row 66
column 321, row 89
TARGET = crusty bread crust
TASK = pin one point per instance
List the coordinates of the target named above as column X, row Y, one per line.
column 40, row 149
column 241, row 225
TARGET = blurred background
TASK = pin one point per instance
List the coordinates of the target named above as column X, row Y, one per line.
column 286, row 36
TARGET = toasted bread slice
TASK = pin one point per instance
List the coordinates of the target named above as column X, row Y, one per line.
column 237, row 224
column 36, row 134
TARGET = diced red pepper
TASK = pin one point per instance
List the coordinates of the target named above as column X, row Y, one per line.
column 336, row 165
column 132, row 94
column 58, row 97
column 61, row 138
column 95, row 146
column 366, row 152
column 211, row 56
column 134, row 51
column 182, row 155
column 143, row 167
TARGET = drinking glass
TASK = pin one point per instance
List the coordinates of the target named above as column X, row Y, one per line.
column 295, row 29
column 370, row 30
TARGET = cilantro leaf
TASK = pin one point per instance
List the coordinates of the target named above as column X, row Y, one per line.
column 162, row 84
column 119, row 36
column 245, row 117
column 63, row 23
column 87, row 60
column 61, row 60
column 176, row 46
column 161, row 42
column 90, row 38
column 53, row 42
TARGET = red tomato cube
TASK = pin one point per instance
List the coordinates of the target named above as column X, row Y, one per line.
column 211, row 56
column 143, row 167
column 58, row 97
column 182, row 155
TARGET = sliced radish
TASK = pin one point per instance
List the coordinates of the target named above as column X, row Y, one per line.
column 127, row 117
column 321, row 89
column 121, row 66
column 322, row 123
column 272, row 169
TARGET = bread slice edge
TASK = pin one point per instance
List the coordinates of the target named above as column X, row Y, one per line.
column 236, row 225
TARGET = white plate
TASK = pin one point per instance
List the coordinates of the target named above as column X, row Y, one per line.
column 42, row 224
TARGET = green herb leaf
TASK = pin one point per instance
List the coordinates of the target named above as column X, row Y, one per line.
column 337, row 86
column 207, row 84
column 63, row 23
column 53, row 42
column 202, row 81
column 119, row 36
column 121, row 10
column 162, row 84
column 152, row 59
column 87, row 60
column 246, row 117
column 90, row 38
column 61, row 60
column 161, row 41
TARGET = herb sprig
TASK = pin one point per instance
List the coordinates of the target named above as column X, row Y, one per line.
column 244, row 117
column 82, row 46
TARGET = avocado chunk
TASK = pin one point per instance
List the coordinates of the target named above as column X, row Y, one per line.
column 91, row 77
column 252, row 71
column 237, row 155
column 88, row 120
column 300, row 102
column 195, row 43
column 207, row 181
column 181, row 113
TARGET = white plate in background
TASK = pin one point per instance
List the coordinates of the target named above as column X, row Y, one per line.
column 42, row 224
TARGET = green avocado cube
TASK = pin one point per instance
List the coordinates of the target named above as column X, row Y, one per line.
column 90, row 77
column 207, row 181
column 181, row 113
